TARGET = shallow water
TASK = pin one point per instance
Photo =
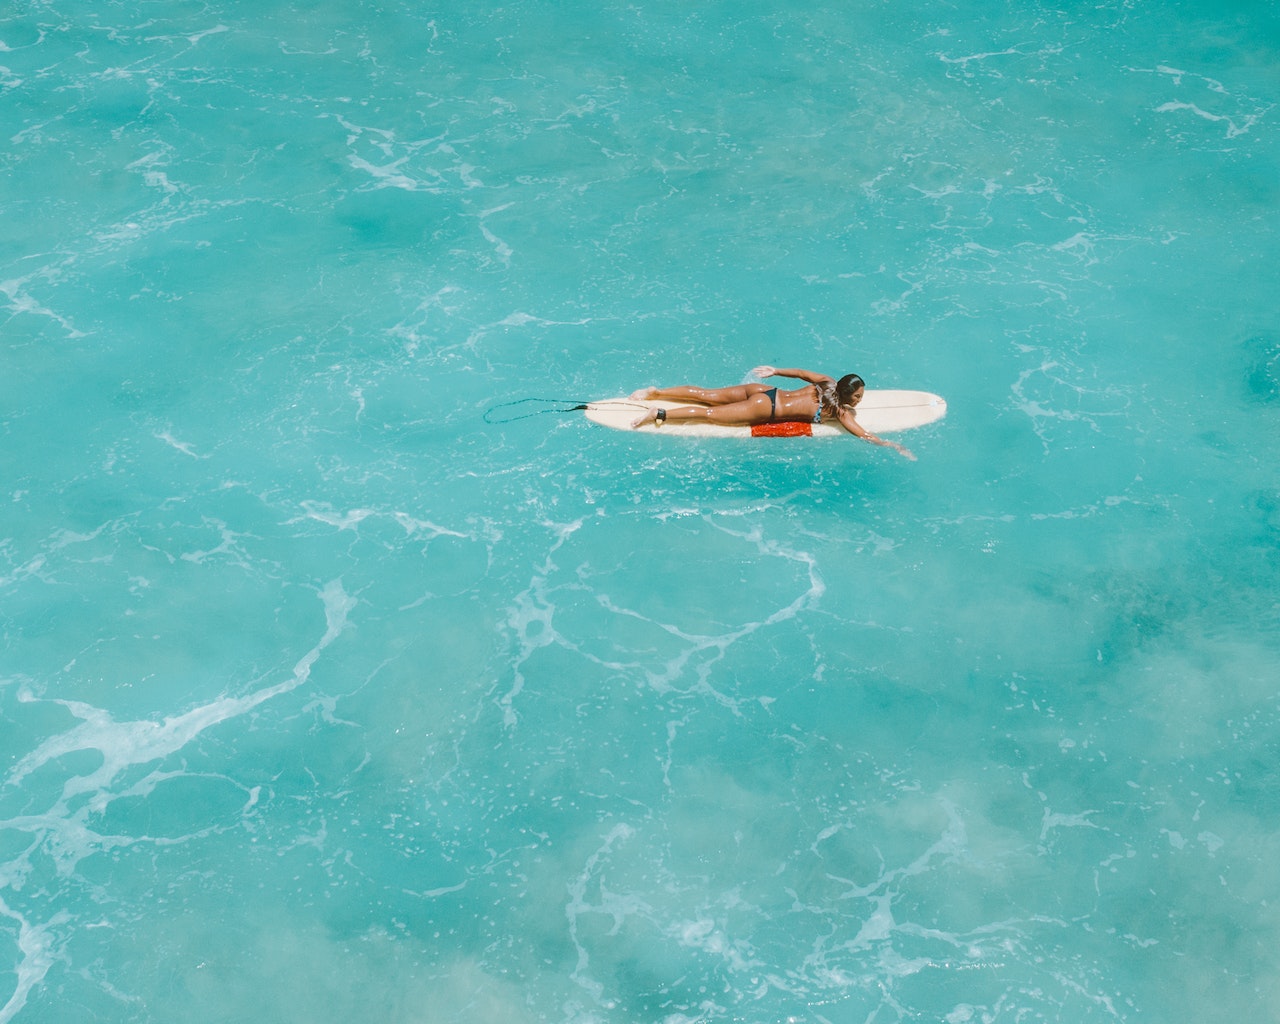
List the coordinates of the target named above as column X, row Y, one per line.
column 323, row 697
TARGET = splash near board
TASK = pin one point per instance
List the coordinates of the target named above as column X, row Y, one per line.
column 881, row 412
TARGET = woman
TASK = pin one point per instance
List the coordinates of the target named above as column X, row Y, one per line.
column 748, row 404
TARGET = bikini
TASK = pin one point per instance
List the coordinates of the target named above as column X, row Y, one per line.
column 826, row 398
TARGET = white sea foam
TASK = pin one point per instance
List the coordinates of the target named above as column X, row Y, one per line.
column 39, row 948
column 1233, row 129
column 578, row 906
column 31, row 569
column 501, row 248
column 413, row 525
column 389, row 176
column 125, row 744
column 1053, row 821
column 173, row 442
column 21, row 301
column 326, row 514
column 531, row 620
column 230, row 546
column 196, row 37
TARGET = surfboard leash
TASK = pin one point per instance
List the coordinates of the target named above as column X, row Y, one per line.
column 557, row 406
column 494, row 413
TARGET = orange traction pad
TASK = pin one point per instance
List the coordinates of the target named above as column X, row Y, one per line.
column 782, row 430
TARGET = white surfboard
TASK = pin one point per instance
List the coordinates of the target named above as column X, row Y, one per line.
column 880, row 412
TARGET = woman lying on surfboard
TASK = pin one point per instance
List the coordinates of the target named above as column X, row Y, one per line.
column 824, row 398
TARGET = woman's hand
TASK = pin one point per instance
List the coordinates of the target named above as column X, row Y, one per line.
column 763, row 371
column 850, row 424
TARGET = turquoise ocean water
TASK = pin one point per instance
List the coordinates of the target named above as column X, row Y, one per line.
column 322, row 699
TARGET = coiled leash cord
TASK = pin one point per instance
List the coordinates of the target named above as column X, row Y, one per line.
column 494, row 413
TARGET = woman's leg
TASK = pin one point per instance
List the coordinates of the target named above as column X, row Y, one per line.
column 706, row 396
column 755, row 408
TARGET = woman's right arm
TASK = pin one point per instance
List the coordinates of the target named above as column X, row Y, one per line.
column 851, row 424
column 805, row 375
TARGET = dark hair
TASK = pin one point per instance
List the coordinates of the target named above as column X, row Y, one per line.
column 847, row 386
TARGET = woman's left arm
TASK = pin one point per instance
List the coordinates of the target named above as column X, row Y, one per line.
column 807, row 376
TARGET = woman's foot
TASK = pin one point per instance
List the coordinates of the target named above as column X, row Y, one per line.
column 654, row 416
column 643, row 395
